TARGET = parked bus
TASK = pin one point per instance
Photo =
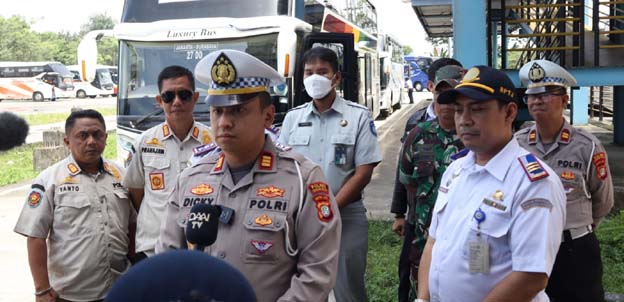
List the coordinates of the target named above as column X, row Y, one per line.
column 392, row 73
column 102, row 83
column 154, row 34
column 34, row 80
column 417, row 71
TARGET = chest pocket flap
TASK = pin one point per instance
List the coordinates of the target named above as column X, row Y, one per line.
column 343, row 139
column 156, row 162
column 299, row 140
column 497, row 222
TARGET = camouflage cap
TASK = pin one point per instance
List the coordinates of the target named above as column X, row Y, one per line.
column 448, row 75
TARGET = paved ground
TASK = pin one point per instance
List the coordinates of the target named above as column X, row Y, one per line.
column 62, row 105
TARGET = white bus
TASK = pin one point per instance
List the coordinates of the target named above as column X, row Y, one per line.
column 392, row 73
column 102, row 83
column 154, row 34
column 34, row 80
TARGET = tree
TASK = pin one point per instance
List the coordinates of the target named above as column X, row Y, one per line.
column 440, row 47
column 407, row 50
column 18, row 43
column 96, row 22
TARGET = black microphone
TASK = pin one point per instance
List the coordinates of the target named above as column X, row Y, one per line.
column 202, row 225
column 13, row 131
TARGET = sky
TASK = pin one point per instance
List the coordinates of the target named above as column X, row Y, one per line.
column 393, row 16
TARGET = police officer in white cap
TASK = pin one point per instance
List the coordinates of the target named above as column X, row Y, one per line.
column 284, row 233
column 580, row 161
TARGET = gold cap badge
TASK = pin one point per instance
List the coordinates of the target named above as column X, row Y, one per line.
column 536, row 73
column 223, row 72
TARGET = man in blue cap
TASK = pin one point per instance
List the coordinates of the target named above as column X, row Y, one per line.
column 496, row 223
column 284, row 234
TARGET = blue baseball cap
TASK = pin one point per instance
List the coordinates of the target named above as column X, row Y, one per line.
column 481, row 83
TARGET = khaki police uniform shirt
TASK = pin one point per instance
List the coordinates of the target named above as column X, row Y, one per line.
column 580, row 161
column 339, row 139
column 159, row 158
column 266, row 203
column 85, row 220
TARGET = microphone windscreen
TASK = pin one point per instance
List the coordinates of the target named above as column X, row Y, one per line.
column 13, row 131
column 202, row 224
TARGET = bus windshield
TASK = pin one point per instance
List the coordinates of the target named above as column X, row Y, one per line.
column 141, row 62
column 155, row 10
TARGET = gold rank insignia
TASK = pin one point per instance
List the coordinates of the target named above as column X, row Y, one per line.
column 202, row 189
column 154, row 141
column 266, row 161
column 166, row 131
column 532, row 167
column 113, row 171
column 498, row 195
column 70, row 180
column 73, row 169
column 532, row 136
column 536, row 73
column 270, row 192
column 157, row 181
column 263, row 220
column 568, row 175
column 219, row 166
column 223, row 72
column 195, row 133
column 565, row 135
column 206, row 137
column 471, row 76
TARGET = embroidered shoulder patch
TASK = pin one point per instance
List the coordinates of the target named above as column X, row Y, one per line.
column 532, row 167
column 600, row 161
column 36, row 196
column 318, row 187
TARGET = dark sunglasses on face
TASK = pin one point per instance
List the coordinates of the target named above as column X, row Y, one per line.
column 184, row 95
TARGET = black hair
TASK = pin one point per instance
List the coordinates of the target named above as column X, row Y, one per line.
column 87, row 113
column 174, row 72
column 439, row 63
column 323, row 54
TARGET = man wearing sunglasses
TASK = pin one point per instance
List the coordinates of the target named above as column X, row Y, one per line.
column 162, row 152
column 282, row 226
column 580, row 161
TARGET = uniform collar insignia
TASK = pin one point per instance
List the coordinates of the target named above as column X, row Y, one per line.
column 532, row 136
column 218, row 167
column 206, row 137
column 223, row 73
column 564, row 136
column 532, row 167
column 166, row 131
column 112, row 171
column 195, row 133
column 73, row 168
column 266, row 161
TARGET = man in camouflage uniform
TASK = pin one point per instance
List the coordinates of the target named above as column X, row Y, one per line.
column 426, row 152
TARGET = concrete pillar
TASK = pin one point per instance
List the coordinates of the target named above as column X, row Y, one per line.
column 469, row 32
column 52, row 150
column 578, row 107
column 618, row 115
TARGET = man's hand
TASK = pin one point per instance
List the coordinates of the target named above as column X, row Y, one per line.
column 399, row 226
column 51, row 296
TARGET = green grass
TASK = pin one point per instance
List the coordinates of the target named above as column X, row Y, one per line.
column 17, row 164
column 48, row 118
column 611, row 236
column 384, row 248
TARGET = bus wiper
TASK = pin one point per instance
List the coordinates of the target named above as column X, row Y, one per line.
column 145, row 117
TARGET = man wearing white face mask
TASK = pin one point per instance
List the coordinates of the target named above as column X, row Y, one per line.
column 340, row 136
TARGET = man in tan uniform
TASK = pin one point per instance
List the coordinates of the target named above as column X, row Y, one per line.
column 162, row 152
column 81, row 208
column 580, row 161
column 285, row 233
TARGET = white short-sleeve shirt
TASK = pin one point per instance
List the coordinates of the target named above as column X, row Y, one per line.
column 524, row 218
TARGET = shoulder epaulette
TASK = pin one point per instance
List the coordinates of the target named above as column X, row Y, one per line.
column 204, row 149
column 298, row 107
column 533, row 169
column 460, row 154
column 356, row 105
